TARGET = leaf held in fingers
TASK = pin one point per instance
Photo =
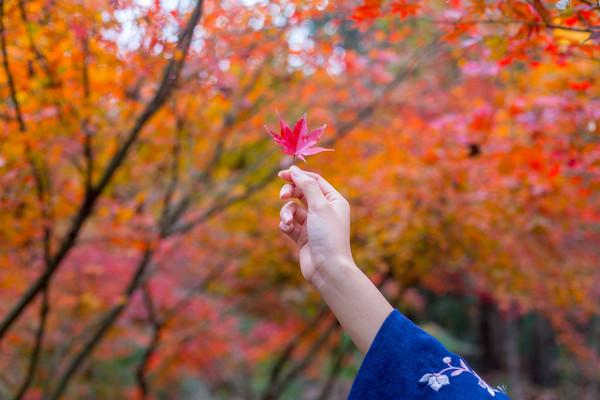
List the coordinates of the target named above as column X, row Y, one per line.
column 298, row 142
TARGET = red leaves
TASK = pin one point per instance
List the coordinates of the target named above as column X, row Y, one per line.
column 370, row 10
column 405, row 8
column 299, row 142
column 580, row 86
column 79, row 30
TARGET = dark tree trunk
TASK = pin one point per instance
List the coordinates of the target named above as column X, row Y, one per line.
column 543, row 370
column 490, row 336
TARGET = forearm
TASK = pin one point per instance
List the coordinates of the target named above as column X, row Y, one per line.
column 358, row 305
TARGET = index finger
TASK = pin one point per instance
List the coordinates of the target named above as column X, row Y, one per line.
column 326, row 187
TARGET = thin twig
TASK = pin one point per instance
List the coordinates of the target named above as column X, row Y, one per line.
column 288, row 350
column 510, row 22
column 85, row 123
column 9, row 77
column 156, row 325
column 37, row 349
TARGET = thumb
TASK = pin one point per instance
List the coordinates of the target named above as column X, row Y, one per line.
column 309, row 187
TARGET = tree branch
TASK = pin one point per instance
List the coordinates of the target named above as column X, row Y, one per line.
column 158, row 322
column 42, row 194
column 543, row 24
column 279, row 386
column 340, row 354
column 39, row 57
column 105, row 324
column 170, row 75
column 156, row 325
column 174, row 177
column 286, row 353
column 37, row 349
column 9, row 77
column 406, row 70
column 85, row 123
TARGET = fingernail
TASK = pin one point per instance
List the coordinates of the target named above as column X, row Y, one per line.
column 295, row 170
column 282, row 191
column 287, row 217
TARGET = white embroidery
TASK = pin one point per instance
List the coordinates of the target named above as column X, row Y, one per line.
column 438, row 379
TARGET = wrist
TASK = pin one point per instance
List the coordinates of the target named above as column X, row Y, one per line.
column 332, row 274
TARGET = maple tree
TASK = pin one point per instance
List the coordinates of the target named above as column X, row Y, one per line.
column 140, row 257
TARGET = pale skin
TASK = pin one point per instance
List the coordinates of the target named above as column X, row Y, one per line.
column 318, row 222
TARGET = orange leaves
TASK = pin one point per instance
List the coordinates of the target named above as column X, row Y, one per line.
column 482, row 119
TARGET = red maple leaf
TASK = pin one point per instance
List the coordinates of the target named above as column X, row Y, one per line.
column 299, row 142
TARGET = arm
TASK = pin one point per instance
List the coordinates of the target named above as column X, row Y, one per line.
column 320, row 227
column 402, row 361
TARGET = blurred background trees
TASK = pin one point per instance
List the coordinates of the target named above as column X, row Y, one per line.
column 139, row 250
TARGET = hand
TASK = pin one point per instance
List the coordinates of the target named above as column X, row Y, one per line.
column 320, row 226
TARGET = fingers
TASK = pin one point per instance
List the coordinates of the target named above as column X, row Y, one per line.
column 292, row 230
column 290, row 191
column 310, row 187
column 292, row 217
column 327, row 188
column 292, row 212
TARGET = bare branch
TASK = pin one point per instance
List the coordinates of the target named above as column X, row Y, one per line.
column 174, row 176
column 37, row 348
column 85, row 123
column 156, row 325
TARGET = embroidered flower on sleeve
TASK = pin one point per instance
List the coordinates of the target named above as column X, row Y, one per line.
column 439, row 379
column 435, row 381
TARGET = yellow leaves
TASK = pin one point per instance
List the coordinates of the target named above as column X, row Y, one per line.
column 566, row 37
column 498, row 46
column 89, row 303
column 123, row 215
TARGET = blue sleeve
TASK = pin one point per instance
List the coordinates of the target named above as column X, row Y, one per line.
column 405, row 362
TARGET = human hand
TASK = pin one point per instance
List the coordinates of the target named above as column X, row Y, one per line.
column 320, row 226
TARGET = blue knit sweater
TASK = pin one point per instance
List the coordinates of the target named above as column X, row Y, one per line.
column 405, row 362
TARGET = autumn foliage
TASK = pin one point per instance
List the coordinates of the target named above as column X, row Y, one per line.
column 139, row 250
